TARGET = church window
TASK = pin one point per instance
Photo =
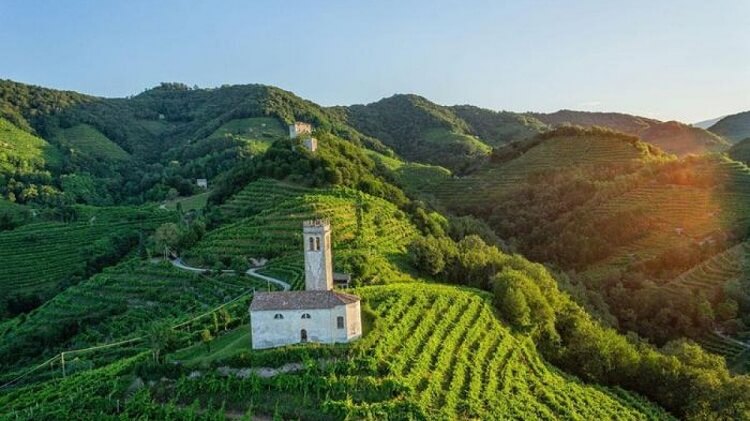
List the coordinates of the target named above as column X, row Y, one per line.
column 306, row 316
column 340, row 322
column 312, row 244
column 278, row 316
column 317, row 243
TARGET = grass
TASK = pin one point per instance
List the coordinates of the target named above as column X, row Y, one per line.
column 256, row 132
column 224, row 346
column 87, row 140
column 194, row 202
column 23, row 152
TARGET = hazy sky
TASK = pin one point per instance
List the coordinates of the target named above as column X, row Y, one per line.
column 687, row 60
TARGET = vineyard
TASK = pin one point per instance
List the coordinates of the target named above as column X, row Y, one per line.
column 70, row 249
column 494, row 180
column 433, row 352
column 23, row 151
column 412, row 176
column 118, row 304
column 365, row 228
column 256, row 132
column 86, row 140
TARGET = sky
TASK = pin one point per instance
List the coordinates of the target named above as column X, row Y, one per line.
column 682, row 59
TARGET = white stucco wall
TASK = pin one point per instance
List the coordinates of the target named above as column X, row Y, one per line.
column 353, row 321
column 321, row 327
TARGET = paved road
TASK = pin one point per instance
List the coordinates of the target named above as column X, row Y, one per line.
column 178, row 263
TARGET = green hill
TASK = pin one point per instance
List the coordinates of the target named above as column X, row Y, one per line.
column 86, row 140
column 23, row 152
column 124, row 302
column 672, row 136
column 369, row 240
column 498, row 128
column 419, row 130
column 734, row 127
column 42, row 258
column 556, row 150
column 741, row 151
column 443, row 352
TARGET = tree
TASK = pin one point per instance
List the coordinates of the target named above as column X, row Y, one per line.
column 512, row 304
column 161, row 339
column 206, row 337
column 167, row 236
column 226, row 318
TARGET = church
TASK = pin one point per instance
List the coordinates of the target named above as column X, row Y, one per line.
column 317, row 314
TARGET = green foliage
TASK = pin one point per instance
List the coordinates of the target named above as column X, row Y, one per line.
column 89, row 240
column 527, row 296
column 741, row 151
column 734, row 127
column 498, row 128
column 419, row 131
column 336, row 162
column 86, row 140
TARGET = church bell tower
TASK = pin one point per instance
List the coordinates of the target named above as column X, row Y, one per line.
column 318, row 262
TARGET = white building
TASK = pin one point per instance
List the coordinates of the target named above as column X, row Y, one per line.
column 202, row 183
column 310, row 143
column 299, row 128
column 317, row 314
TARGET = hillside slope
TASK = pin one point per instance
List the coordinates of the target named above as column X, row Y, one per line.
column 498, row 128
column 419, row 130
column 734, row 127
column 672, row 136
column 741, row 151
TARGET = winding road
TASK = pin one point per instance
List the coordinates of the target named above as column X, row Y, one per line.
column 178, row 263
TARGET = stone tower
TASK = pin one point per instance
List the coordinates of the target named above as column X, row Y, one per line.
column 318, row 263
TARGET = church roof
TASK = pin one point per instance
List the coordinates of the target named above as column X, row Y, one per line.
column 300, row 300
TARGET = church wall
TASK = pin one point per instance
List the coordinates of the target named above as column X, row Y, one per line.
column 321, row 327
column 353, row 321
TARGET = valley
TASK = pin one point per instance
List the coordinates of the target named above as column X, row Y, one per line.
column 510, row 265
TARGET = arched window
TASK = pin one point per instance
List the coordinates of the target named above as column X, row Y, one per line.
column 306, row 316
column 303, row 335
column 278, row 316
column 312, row 244
column 317, row 243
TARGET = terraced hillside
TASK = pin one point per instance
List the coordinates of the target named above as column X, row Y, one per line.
column 671, row 136
column 120, row 303
column 555, row 153
column 369, row 234
column 24, row 152
column 98, row 236
column 413, row 177
column 86, row 140
column 712, row 275
column 442, row 355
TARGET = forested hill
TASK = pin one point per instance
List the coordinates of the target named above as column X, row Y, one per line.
column 734, row 127
column 672, row 136
column 644, row 252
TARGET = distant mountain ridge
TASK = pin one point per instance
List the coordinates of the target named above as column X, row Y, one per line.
column 735, row 127
column 671, row 136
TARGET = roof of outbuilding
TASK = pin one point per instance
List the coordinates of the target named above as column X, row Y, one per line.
column 300, row 300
